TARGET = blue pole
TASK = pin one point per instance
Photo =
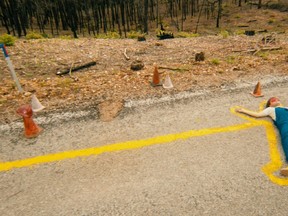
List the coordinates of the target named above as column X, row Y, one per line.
column 9, row 63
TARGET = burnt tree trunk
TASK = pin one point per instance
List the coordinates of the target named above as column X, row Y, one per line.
column 145, row 16
column 4, row 16
column 219, row 13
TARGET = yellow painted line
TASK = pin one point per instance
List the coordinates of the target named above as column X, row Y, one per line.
column 268, row 169
column 118, row 146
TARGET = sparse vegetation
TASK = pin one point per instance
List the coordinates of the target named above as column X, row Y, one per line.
column 186, row 35
column 224, row 33
column 215, row 61
column 33, row 35
column 45, row 35
column 263, row 55
column 230, row 59
column 240, row 32
column 7, row 39
column 65, row 37
column 270, row 21
column 134, row 34
column 108, row 35
column 65, row 82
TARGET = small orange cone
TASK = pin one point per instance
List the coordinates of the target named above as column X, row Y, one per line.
column 31, row 128
column 156, row 77
column 257, row 91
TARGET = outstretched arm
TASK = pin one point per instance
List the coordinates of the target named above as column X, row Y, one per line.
column 252, row 113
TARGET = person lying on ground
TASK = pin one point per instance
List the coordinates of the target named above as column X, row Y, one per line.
column 279, row 115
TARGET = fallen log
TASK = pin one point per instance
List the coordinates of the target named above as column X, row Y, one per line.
column 270, row 48
column 260, row 49
column 266, row 49
column 174, row 69
column 69, row 70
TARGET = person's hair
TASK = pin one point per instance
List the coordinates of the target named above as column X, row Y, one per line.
column 269, row 101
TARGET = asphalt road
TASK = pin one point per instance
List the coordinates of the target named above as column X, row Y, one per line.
column 212, row 173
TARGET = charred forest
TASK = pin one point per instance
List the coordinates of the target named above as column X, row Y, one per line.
column 92, row 17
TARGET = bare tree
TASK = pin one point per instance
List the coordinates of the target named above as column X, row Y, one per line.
column 219, row 13
column 97, row 16
column 259, row 4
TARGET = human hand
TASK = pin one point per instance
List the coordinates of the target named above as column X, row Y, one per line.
column 239, row 109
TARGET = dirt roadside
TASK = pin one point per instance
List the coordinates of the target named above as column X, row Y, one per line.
column 229, row 62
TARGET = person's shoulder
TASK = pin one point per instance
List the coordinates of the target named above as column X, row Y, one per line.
column 282, row 107
column 268, row 110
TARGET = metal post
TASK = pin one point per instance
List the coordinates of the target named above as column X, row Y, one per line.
column 9, row 63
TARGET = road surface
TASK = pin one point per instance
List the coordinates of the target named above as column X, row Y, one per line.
column 187, row 157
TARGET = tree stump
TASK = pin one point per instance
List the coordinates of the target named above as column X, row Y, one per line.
column 199, row 56
column 250, row 33
column 141, row 38
column 137, row 65
column 165, row 35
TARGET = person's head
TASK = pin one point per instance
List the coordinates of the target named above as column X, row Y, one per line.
column 273, row 102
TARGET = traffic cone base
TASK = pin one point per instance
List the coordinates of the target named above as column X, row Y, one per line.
column 31, row 129
column 156, row 84
column 257, row 91
column 256, row 95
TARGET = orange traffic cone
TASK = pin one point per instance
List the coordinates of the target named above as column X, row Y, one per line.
column 31, row 128
column 156, row 77
column 257, row 91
